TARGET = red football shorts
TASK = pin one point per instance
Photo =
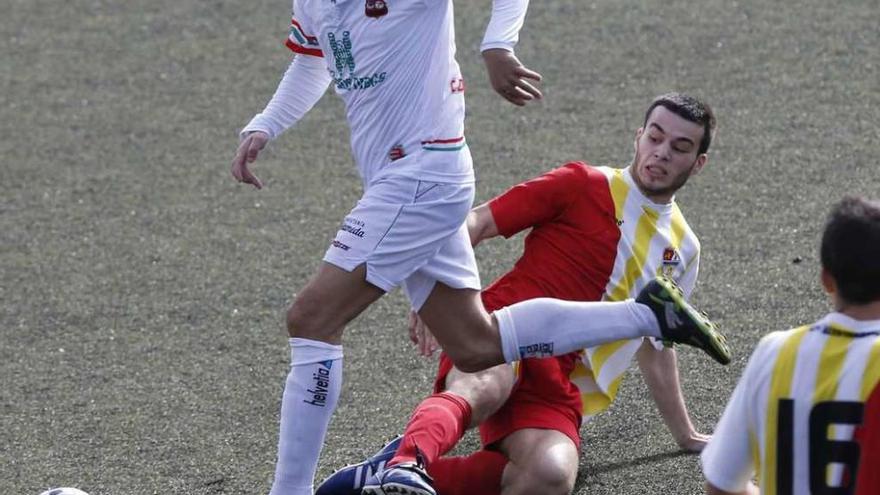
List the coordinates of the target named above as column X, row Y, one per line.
column 543, row 397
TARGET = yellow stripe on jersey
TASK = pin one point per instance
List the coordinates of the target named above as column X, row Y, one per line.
column 872, row 371
column 830, row 366
column 603, row 352
column 756, row 451
column 595, row 402
column 619, row 192
column 678, row 227
column 780, row 386
column 829, row 369
column 645, row 230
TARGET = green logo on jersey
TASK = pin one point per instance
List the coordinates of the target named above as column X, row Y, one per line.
column 344, row 76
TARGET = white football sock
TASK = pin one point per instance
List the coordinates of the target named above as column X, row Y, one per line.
column 546, row 327
column 309, row 399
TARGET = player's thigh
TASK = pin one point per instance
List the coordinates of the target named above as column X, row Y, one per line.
column 486, row 391
column 541, row 461
column 329, row 300
column 463, row 328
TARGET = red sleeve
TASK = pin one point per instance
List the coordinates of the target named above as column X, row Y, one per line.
column 538, row 200
column 868, row 436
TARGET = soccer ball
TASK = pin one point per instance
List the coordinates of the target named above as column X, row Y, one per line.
column 64, row 491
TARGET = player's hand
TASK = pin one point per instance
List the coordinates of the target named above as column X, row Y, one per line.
column 247, row 153
column 695, row 442
column 421, row 335
column 510, row 78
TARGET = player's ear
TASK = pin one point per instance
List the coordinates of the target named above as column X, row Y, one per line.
column 701, row 161
column 828, row 282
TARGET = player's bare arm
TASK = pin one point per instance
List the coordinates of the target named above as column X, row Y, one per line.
column 481, row 224
column 660, row 370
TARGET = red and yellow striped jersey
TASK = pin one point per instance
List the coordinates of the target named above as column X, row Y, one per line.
column 594, row 236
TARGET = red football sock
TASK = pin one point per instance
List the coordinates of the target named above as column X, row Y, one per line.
column 437, row 424
column 477, row 473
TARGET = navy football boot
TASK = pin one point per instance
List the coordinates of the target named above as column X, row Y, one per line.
column 350, row 480
column 407, row 478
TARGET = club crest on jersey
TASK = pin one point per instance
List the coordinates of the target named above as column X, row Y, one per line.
column 671, row 257
column 375, row 8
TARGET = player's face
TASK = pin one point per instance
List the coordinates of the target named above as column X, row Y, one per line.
column 666, row 154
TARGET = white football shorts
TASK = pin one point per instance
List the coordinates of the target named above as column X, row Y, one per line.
column 409, row 233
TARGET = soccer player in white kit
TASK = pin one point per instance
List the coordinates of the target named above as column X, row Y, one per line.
column 394, row 66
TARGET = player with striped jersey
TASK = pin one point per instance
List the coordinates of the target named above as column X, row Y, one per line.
column 792, row 417
column 597, row 234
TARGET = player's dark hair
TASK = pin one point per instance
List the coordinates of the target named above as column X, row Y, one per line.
column 688, row 108
column 851, row 249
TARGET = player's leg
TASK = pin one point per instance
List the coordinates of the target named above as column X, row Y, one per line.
column 534, row 328
column 315, row 322
column 546, row 327
column 541, row 461
column 461, row 401
column 330, row 299
column 439, row 421
column 543, row 400
column 389, row 234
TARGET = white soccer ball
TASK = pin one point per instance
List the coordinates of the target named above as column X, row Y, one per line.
column 64, row 491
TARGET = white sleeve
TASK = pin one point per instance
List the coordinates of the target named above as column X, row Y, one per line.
column 507, row 19
column 727, row 460
column 303, row 84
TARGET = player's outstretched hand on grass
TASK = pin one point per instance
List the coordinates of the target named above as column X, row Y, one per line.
column 510, row 78
column 421, row 335
column 247, row 153
column 695, row 442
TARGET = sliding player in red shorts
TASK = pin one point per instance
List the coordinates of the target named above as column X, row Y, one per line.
column 597, row 234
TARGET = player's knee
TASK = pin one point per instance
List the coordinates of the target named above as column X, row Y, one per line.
column 480, row 351
column 485, row 391
column 551, row 478
column 306, row 318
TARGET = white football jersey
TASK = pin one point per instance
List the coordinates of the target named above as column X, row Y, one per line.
column 393, row 63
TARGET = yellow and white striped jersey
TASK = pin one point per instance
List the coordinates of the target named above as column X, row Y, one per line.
column 654, row 239
column 791, row 418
